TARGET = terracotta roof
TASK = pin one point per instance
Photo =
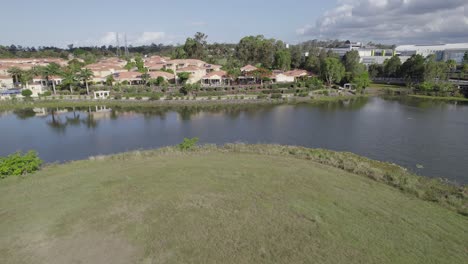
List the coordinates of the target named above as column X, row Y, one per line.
column 189, row 69
column 187, row 61
column 127, row 75
column 297, row 73
column 248, row 68
column 5, row 77
column 157, row 74
column 215, row 73
column 212, row 66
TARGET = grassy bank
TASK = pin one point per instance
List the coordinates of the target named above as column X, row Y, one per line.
column 231, row 204
column 11, row 105
column 443, row 98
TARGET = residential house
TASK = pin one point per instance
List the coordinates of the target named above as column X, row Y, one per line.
column 216, row 78
column 6, row 81
column 289, row 76
column 248, row 68
column 169, row 77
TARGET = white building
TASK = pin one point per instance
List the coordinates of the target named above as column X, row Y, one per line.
column 443, row 52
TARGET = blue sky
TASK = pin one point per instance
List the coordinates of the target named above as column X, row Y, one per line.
column 92, row 22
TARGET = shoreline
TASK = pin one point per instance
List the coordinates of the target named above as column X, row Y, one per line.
column 12, row 105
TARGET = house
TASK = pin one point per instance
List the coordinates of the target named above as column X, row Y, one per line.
column 216, row 78
column 177, row 64
column 212, row 67
column 248, row 68
column 6, row 81
column 129, row 77
column 196, row 73
column 289, row 76
column 166, row 75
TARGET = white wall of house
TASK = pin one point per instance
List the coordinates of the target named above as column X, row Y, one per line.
column 6, row 83
column 281, row 78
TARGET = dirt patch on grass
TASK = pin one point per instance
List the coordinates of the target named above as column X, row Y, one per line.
column 82, row 248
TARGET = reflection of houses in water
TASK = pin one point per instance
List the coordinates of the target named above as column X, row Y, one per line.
column 40, row 111
column 100, row 112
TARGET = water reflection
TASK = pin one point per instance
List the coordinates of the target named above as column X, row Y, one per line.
column 408, row 131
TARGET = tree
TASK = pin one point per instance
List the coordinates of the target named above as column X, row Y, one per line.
column 283, row 60
column 48, row 71
column 183, row 77
column 15, row 73
column 392, row 66
column 452, row 65
column 110, row 80
column 26, row 93
column 353, row 67
column 375, row 70
column 86, row 75
column 362, row 81
column 296, row 56
column 332, row 70
column 413, row 68
column 140, row 64
column 434, row 70
column 145, row 77
column 257, row 49
column 195, row 47
column 465, row 58
column 69, row 78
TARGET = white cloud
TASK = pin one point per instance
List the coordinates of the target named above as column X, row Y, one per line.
column 135, row 39
column 394, row 21
column 146, row 38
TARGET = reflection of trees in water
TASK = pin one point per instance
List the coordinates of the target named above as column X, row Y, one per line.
column 24, row 113
column 59, row 124
column 347, row 104
column 56, row 122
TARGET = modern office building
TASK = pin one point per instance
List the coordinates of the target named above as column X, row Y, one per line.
column 443, row 52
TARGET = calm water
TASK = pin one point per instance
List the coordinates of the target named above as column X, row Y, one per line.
column 407, row 132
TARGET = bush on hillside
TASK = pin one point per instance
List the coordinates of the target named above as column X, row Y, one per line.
column 19, row 164
column 188, row 143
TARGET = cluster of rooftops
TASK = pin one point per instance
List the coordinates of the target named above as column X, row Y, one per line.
column 156, row 66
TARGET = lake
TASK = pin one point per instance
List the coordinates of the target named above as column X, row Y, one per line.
column 427, row 137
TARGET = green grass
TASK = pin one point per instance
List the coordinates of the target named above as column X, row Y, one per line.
column 444, row 98
column 386, row 86
column 231, row 204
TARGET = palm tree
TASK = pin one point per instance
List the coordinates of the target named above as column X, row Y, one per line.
column 69, row 78
column 85, row 75
column 49, row 70
column 16, row 73
column 26, row 77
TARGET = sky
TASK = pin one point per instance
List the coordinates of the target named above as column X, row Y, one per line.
column 95, row 22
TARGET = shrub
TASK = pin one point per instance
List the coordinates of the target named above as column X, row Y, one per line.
column 46, row 93
column 188, row 143
column 154, row 97
column 276, row 96
column 26, row 93
column 138, row 98
column 261, row 96
column 118, row 97
column 18, row 164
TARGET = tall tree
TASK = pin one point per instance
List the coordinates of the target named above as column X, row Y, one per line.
column 195, row 47
column 15, row 73
column 48, row 71
column 69, row 78
column 283, row 60
column 392, row 66
column 413, row 68
column 332, row 70
column 86, row 75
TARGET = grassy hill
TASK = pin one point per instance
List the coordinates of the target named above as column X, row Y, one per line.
column 219, row 205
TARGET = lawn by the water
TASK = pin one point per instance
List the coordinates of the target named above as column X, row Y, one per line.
column 219, row 207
